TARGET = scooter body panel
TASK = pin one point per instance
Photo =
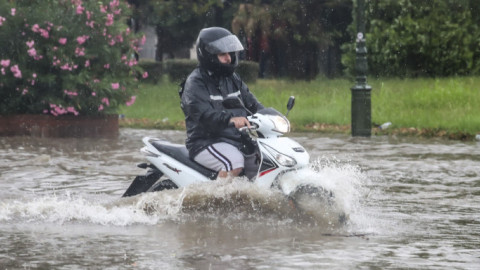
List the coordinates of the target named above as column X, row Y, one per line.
column 176, row 171
column 285, row 146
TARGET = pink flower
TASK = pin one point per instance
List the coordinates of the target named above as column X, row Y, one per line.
column 32, row 52
column 87, row 63
column 106, row 101
column 79, row 51
column 12, row 11
column 143, row 40
column 66, row 67
column 2, row 19
column 100, row 107
column 57, row 110
column 107, row 66
column 34, row 75
column 132, row 62
column 115, row 86
column 131, row 101
column 94, row 94
column 109, row 20
column 90, row 24
column 82, row 39
column 16, row 71
column 30, row 43
column 3, row 71
column 62, row 41
column 80, row 9
column 70, row 93
column 44, row 33
column 103, row 9
column 35, row 28
column 145, row 75
column 24, row 92
column 72, row 110
column 114, row 4
column 89, row 14
column 5, row 63
column 111, row 42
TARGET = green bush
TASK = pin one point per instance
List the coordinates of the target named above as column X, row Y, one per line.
column 66, row 57
column 420, row 38
column 248, row 71
column 179, row 69
column 153, row 68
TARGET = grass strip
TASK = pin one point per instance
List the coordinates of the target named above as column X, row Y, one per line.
column 430, row 107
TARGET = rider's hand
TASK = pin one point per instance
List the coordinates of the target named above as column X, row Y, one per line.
column 240, row 122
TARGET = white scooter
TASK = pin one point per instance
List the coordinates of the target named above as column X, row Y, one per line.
column 278, row 158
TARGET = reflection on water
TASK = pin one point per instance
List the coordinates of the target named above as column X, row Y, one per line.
column 410, row 203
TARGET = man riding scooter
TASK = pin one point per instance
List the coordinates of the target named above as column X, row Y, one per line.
column 213, row 139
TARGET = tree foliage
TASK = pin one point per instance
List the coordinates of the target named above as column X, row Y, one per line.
column 422, row 38
column 297, row 31
column 177, row 23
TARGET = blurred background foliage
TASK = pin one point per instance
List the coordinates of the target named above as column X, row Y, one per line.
column 302, row 39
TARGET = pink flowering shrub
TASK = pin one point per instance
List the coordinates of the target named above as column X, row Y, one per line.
column 67, row 57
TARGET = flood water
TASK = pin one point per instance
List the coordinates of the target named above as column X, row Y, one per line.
column 411, row 203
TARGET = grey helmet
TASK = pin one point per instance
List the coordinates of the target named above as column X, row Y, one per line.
column 215, row 40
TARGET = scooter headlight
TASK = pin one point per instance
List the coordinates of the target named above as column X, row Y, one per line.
column 282, row 159
column 281, row 124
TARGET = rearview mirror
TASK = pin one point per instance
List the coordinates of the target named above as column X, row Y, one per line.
column 291, row 102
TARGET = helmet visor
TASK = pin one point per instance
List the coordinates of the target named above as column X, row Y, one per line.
column 224, row 45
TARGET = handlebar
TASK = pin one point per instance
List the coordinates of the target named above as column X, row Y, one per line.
column 252, row 131
column 242, row 129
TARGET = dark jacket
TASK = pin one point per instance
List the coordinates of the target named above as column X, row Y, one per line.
column 206, row 119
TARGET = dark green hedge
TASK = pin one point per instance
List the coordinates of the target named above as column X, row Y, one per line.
column 420, row 38
column 154, row 69
column 179, row 69
column 248, row 71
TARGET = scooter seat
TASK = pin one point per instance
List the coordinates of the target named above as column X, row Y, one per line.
column 180, row 153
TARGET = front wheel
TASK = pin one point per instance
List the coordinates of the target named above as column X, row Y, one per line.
column 317, row 203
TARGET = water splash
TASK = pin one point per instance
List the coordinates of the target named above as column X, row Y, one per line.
column 69, row 208
column 232, row 200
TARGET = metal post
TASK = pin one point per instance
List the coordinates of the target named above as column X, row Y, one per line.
column 361, row 92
